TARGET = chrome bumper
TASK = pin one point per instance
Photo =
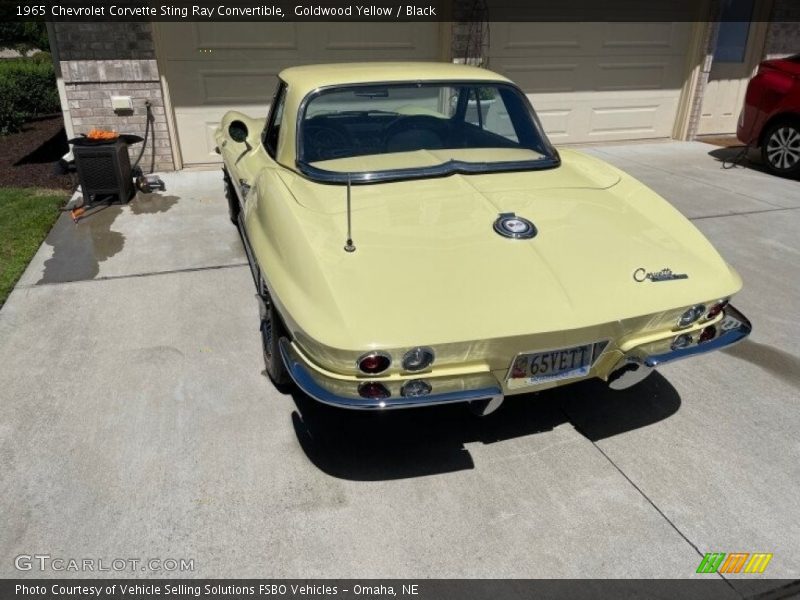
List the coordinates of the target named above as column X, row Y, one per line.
column 640, row 362
column 345, row 394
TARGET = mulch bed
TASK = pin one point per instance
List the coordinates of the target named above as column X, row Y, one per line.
column 29, row 158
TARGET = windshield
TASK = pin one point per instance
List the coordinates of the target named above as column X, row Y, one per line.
column 397, row 131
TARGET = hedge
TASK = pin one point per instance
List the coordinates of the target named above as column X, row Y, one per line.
column 27, row 89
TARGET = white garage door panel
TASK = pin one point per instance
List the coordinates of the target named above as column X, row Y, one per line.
column 196, row 126
column 592, row 74
column 215, row 67
column 617, row 116
column 596, row 81
column 358, row 41
column 582, row 39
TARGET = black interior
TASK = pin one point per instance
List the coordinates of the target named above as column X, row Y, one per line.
column 346, row 134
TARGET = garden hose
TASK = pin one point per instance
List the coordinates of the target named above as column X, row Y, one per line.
column 148, row 120
column 729, row 163
column 742, row 154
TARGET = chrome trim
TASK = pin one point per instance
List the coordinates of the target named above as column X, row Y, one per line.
column 248, row 249
column 731, row 329
column 374, row 353
column 313, row 384
column 449, row 168
column 664, row 274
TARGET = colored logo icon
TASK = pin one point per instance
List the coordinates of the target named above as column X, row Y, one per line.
column 735, row 562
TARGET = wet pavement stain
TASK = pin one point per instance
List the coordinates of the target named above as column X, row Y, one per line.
column 149, row 204
column 780, row 363
column 79, row 248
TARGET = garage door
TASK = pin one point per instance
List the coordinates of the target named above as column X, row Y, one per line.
column 596, row 82
column 211, row 68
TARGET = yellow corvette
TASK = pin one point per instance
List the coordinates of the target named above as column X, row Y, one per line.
column 416, row 239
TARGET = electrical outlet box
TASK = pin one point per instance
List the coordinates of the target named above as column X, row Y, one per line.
column 122, row 103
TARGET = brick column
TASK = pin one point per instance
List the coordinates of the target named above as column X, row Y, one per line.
column 100, row 60
column 784, row 29
column 709, row 44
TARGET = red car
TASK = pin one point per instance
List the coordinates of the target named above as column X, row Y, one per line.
column 771, row 115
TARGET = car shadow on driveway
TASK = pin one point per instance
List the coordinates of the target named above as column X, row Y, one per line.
column 733, row 157
column 370, row 446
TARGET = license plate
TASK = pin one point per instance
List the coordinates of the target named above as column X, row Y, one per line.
column 553, row 365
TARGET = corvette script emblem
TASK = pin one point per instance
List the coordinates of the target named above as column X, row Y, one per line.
column 664, row 274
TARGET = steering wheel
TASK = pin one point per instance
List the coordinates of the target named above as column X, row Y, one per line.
column 325, row 141
column 415, row 132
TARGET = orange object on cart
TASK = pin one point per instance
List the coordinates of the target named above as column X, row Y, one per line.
column 102, row 134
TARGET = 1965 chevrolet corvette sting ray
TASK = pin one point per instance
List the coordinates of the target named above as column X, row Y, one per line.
column 416, row 239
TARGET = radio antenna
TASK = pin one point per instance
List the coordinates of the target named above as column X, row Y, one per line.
column 349, row 246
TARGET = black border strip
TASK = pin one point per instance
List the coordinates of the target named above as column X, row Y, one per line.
column 624, row 11
column 403, row 589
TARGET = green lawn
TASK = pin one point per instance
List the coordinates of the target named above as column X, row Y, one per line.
column 26, row 215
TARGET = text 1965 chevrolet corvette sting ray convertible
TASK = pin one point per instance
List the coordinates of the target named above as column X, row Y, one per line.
column 416, row 239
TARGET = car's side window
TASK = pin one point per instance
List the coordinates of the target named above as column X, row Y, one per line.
column 273, row 130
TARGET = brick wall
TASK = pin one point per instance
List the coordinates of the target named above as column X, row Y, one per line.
column 784, row 29
column 100, row 60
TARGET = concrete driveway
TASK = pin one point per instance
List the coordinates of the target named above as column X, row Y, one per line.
column 135, row 420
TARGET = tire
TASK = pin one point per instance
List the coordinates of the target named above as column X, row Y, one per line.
column 233, row 202
column 272, row 330
column 780, row 149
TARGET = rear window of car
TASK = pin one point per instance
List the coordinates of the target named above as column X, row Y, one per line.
column 439, row 122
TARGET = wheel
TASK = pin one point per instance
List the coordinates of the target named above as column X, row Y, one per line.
column 272, row 330
column 781, row 149
column 233, row 202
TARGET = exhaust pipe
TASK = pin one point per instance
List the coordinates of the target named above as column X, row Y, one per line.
column 628, row 374
column 482, row 408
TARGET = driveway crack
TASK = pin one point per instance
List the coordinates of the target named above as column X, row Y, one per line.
column 650, row 501
column 134, row 275
column 747, row 212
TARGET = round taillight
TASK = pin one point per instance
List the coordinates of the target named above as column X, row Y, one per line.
column 716, row 309
column 373, row 363
column 691, row 315
column 708, row 334
column 681, row 341
column 415, row 388
column 373, row 390
column 418, row 359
